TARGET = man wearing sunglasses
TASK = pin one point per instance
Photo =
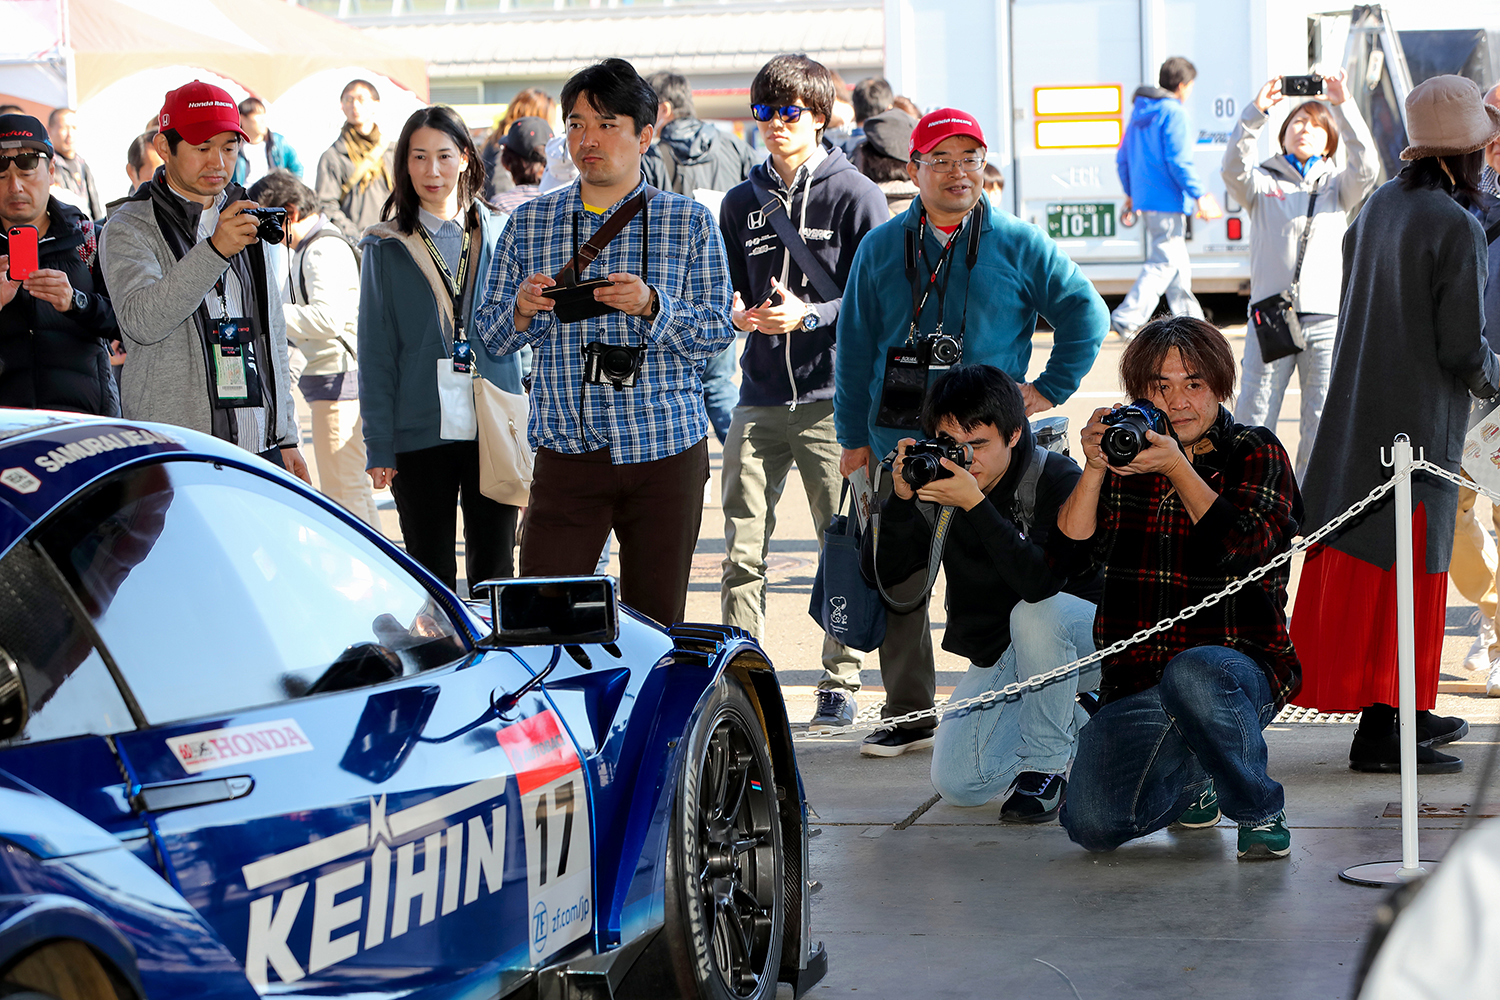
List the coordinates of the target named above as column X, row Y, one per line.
column 914, row 280
column 805, row 208
column 54, row 324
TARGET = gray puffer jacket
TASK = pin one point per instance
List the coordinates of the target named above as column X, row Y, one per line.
column 1276, row 196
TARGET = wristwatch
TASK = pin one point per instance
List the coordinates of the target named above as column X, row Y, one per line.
column 80, row 300
column 810, row 320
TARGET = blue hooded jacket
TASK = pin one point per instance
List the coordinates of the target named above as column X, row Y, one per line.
column 1155, row 159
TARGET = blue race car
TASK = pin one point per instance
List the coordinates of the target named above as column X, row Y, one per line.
column 248, row 747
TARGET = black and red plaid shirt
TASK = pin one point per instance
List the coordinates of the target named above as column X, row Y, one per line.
column 1156, row 561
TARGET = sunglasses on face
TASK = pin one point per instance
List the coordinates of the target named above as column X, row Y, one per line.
column 25, row 162
column 789, row 113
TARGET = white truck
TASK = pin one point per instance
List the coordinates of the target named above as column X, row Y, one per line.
column 1051, row 81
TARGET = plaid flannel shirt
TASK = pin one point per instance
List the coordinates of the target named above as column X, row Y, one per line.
column 662, row 415
column 1156, row 561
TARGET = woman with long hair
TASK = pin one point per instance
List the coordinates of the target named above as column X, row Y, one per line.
column 420, row 279
column 1406, row 360
column 533, row 102
column 1298, row 194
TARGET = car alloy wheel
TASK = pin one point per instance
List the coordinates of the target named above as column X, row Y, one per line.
column 726, row 891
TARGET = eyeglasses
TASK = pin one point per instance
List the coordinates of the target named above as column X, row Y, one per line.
column 25, row 162
column 789, row 112
column 943, row 165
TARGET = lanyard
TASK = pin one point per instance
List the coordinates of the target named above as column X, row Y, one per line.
column 455, row 284
column 919, row 293
column 223, row 300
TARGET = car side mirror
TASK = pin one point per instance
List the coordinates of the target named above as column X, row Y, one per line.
column 13, row 708
column 552, row 611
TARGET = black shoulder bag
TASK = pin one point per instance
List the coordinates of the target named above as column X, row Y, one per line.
column 1274, row 319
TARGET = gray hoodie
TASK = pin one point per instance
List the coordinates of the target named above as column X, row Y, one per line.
column 157, row 298
column 1276, row 196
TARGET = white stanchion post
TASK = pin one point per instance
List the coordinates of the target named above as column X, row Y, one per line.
column 1406, row 662
column 1382, row 873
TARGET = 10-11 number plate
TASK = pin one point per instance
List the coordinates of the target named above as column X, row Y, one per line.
column 1081, row 221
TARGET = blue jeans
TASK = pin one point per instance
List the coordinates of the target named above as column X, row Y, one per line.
column 719, row 391
column 1263, row 385
column 1168, row 271
column 980, row 750
column 1145, row 758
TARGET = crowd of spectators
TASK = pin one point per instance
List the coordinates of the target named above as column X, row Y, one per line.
column 619, row 261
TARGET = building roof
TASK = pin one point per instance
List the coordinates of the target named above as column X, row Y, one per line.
column 688, row 40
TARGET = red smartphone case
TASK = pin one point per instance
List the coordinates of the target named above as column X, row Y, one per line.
column 23, row 253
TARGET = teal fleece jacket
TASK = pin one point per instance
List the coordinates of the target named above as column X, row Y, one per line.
column 404, row 328
column 1020, row 274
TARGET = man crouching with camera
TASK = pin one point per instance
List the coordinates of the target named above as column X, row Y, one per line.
column 1176, row 501
column 1009, row 611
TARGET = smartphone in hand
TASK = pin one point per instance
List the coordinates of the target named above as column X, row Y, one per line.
column 23, row 252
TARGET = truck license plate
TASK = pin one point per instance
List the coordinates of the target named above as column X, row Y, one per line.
column 1078, row 221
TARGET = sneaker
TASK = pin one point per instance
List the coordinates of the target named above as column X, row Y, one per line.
column 1266, row 841
column 1477, row 659
column 1037, row 798
column 1125, row 335
column 1492, row 681
column 1202, row 813
column 895, row 742
column 835, row 711
column 1383, row 756
column 1435, row 730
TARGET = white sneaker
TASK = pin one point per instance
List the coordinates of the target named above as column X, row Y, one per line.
column 1478, row 658
column 1492, row 681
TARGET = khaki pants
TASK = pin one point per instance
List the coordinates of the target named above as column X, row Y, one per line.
column 763, row 444
column 1475, row 561
column 339, row 450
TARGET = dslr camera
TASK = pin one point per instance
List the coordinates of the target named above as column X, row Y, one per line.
column 1302, row 86
column 271, row 228
column 924, row 461
column 612, row 364
column 1125, row 436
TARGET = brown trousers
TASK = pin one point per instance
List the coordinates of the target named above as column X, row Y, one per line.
column 654, row 508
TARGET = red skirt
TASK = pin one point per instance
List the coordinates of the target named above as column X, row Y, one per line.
column 1344, row 628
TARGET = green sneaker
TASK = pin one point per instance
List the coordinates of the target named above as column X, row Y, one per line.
column 1201, row 814
column 1267, row 841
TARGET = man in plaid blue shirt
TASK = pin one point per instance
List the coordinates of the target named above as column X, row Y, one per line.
column 629, row 454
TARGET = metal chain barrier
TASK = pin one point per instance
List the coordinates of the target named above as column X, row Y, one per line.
column 870, row 719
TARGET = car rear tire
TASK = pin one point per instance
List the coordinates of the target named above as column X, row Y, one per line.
column 725, row 872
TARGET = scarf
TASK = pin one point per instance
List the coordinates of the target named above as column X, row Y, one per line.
column 367, row 154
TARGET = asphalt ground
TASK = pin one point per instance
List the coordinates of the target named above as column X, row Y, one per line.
column 921, row 898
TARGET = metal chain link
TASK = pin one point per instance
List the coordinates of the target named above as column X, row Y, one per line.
column 869, row 719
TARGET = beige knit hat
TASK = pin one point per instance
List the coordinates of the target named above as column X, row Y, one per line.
column 1447, row 116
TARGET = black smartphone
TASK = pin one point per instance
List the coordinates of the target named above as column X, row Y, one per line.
column 1302, row 86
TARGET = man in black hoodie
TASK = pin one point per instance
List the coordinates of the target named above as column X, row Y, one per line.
column 811, row 192
column 1010, row 611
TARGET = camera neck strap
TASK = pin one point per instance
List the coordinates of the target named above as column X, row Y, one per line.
column 1312, row 202
column 589, row 252
column 916, row 245
column 453, row 282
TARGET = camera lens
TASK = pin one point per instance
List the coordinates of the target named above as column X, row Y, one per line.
column 270, row 231
column 617, row 363
column 1124, row 441
column 919, row 470
column 945, row 351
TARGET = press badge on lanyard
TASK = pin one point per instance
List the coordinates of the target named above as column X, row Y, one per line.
column 231, row 376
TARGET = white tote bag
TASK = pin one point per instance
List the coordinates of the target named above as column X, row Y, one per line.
column 505, row 456
column 455, row 402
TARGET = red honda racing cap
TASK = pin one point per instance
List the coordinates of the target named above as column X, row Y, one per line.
column 199, row 111
column 938, row 125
